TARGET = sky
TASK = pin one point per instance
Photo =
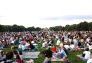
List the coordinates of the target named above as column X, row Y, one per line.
column 45, row 13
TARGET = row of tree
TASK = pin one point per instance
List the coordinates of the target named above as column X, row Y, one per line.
column 16, row 28
column 83, row 26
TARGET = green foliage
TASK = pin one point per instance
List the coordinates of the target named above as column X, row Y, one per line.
column 83, row 26
column 33, row 29
column 90, row 26
column 57, row 28
column 16, row 28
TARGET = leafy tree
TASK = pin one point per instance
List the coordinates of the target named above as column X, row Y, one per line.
column 83, row 26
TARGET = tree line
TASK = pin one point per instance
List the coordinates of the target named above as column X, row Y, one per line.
column 83, row 26
column 17, row 28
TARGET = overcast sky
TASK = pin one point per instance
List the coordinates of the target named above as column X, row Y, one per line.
column 45, row 13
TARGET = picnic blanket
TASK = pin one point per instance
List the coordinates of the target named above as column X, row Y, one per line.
column 30, row 55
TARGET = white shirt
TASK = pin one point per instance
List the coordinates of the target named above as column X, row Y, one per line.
column 87, row 54
column 90, row 47
column 32, row 42
column 61, row 45
column 88, row 39
column 58, row 42
column 89, row 61
column 66, row 46
column 70, row 40
column 22, row 47
column 44, row 44
column 72, row 46
column 75, row 42
column 12, row 41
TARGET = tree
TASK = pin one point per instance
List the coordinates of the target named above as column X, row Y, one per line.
column 67, row 27
column 90, row 26
column 57, row 28
column 83, row 26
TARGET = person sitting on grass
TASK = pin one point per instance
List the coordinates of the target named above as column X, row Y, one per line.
column 89, row 46
column 9, row 57
column 48, row 55
column 31, row 46
column 2, row 56
column 89, row 60
column 72, row 46
column 86, row 54
column 44, row 44
column 53, row 49
column 1, row 45
column 22, row 46
column 61, row 52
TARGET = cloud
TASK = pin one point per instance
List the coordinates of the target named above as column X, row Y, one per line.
column 2, row 16
column 70, row 17
column 52, row 18
column 74, row 17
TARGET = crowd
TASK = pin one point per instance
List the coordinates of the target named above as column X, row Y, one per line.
column 57, row 44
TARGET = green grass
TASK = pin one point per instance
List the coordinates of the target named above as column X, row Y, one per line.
column 73, row 58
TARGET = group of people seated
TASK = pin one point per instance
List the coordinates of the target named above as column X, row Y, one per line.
column 60, row 43
column 55, row 53
column 8, row 57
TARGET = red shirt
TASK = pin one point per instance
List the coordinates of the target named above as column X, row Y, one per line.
column 53, row 49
